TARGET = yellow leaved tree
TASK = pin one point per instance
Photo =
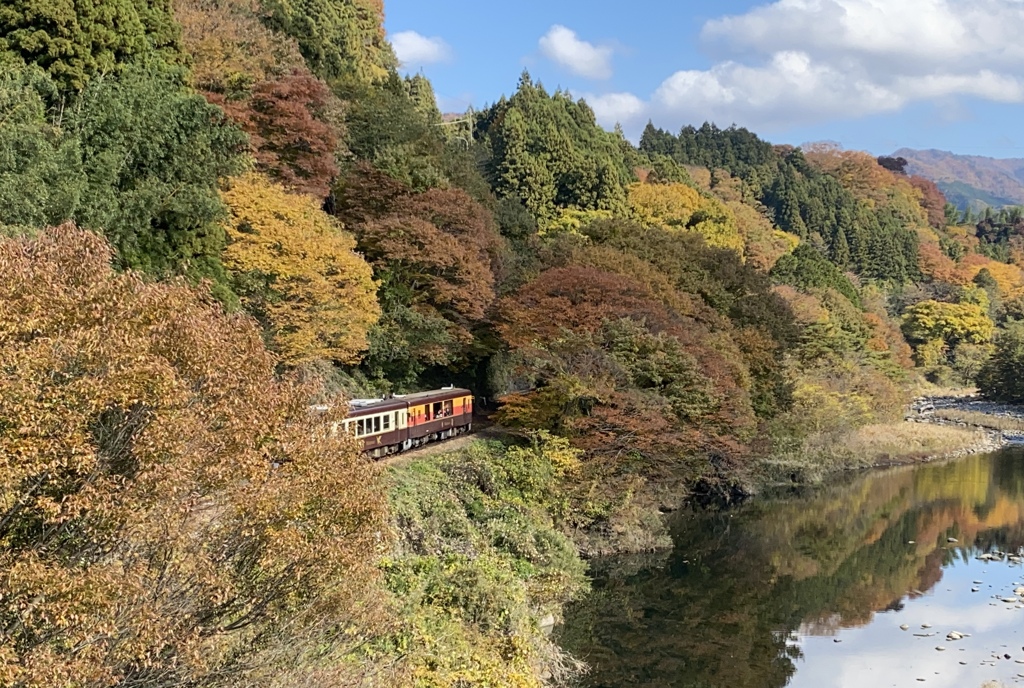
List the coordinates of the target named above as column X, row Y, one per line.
column 297, row 271
column 678, row 206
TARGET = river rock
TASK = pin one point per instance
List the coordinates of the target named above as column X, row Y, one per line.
column 952, row 540
column 904, row 627
column 953, row 635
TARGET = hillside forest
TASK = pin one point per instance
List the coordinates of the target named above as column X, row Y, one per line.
column 217, row 213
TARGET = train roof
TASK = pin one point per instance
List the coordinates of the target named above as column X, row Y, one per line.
column 399, row 401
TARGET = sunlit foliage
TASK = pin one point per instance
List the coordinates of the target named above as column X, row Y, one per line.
column 297, row 269
column 172, row 513
column 76, row 41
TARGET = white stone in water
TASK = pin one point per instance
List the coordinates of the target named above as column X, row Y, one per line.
column 904, row 627
column 952, row 540
column 940, row 648
column 926, row 625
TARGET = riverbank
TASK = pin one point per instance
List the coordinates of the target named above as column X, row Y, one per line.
column 970, row 410
column 934, row 428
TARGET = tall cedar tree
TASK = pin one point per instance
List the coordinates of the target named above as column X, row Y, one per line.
column 76, row 40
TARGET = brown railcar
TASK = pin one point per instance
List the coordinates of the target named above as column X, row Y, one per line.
column 399, row 423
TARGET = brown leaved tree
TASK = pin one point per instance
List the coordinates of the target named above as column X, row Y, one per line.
column 171, row 513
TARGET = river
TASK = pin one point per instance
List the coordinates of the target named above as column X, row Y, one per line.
column 810, row 588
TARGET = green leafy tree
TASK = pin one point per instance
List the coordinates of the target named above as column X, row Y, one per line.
column 549, row 151
column 75, row 40
column 807, row 269
column 340, row 39
column 153, row 153
column 1002, row 377
column 41, row 180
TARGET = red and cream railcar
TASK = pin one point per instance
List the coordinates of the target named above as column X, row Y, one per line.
column 399, row 423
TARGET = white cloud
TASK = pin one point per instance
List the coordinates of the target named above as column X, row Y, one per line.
column 795, row 62
column 415, row 50
column 563, row 46
column 615, row 107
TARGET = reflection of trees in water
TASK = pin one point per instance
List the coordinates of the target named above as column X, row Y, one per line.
column 721, row 609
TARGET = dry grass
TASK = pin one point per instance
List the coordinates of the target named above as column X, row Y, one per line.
column 909, row 441
column 981, row 420
column 872, row 445
column 920, row 387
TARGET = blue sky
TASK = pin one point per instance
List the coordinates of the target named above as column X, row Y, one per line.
column 874, row 75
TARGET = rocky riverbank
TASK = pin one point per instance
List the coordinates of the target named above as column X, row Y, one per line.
column 1003, row 423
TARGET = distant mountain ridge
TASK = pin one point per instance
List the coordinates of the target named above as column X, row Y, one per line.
column 969, row 180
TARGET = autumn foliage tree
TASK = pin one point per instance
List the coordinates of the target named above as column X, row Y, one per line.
column 258, row 77
column 171, row 513
column 435, row 254
column 682, row 207
column 230, row 49
column 288, row 134
column 297, row 270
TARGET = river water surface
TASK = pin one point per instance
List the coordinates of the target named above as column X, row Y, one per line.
column 810, row 589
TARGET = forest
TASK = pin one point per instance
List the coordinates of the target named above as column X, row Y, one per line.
column 217, row 213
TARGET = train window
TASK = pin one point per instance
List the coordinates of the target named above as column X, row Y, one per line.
column 387, row 423
column 376, row 424
column 448, row 410
column 398, row 421
column 426, row 412
column 360, row 428
column 438, row 411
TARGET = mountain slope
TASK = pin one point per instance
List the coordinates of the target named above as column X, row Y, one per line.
column 969, row 179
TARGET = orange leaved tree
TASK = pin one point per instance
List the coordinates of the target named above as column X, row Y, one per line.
column 171, row 513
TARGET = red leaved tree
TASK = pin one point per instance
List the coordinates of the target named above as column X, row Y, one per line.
column 285, row 120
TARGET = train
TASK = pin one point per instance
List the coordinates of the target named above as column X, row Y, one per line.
column 401, row 422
